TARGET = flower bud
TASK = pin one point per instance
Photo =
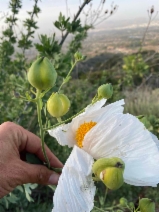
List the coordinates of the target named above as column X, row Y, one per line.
column 58, row 105
column 78, row 56
column 105, row 91
column 123, row 202
column 42, row 74
column 146, row 205
column 110, row 172
column 131, row 205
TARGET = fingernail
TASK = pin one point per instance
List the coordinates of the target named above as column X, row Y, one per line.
column 53, row 179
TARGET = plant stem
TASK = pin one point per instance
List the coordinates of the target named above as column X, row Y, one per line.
column 145, row 33
column 59, row 119
column 106, row 192
column 41, row 127
column 57, row 170
column 75, row 18
column 63, row 122
column 99, row 209
column 117, row 206
column 64, row 81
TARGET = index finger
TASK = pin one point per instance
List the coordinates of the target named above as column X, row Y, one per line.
column 27, row 141
column 32, row 144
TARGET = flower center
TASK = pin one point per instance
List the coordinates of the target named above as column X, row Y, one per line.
column 82, row 130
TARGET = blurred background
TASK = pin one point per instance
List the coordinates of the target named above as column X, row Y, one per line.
column 120, row 40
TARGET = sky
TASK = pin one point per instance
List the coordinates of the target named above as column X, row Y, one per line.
column 128, row 9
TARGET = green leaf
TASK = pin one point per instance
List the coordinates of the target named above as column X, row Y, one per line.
column 53, row 188
column 12, row 198
column 28, row 190
column 20, row 188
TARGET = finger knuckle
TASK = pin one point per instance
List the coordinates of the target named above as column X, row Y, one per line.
column 42, row 175
column 8, row 125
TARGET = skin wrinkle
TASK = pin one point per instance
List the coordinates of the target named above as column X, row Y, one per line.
column 13, row 171
column 3, row 190
column 22, row 145
column 39, row 150
column 41, row 176
column 8, row 137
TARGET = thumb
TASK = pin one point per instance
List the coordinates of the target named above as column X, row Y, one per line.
column 38, row 174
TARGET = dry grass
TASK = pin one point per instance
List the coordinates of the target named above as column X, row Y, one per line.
column 142, row 102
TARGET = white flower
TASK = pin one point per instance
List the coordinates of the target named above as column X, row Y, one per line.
column 75, row 191
column 104, row 132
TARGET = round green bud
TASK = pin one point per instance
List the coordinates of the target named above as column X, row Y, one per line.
column 105, row 91
column 58, row 105
column 110, row 172
column 146, row 205
column 131, row 205
column 42, row 74
column 123, row 202
column 112, row 178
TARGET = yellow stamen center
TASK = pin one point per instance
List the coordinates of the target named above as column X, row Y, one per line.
column 82, row 130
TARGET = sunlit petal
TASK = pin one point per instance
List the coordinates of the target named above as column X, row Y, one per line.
column 155, row 139
column 95, row 106
column 65, row 134
column 75, row 191
column 124, row 136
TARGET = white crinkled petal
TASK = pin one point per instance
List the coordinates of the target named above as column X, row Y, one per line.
column 65, row 134
column 124, row 136
column 155, row 139
column 97, row 115
column 75, row 191
column 95, row 106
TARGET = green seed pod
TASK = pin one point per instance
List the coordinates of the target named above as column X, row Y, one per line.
column 58, row 105
column 110, row 172
column 78, row 56
column 146, row 205
column 131, row 205
column 123, row 202
column 112, row 178
column 42, row 74
column 105, row 91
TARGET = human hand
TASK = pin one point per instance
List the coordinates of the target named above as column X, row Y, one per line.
column 14, row 140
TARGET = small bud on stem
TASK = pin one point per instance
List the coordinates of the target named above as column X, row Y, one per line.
column 58, row 105
column 110, row 172
column 42, row 74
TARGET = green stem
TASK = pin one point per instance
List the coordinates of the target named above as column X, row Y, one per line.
column 63, row 122
column 106, row 192
column 117, row 206
column 42, row 133
column 137, row 209
column 99, row 209
column 57, row 170
column 59, row 119
column 64, row 81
